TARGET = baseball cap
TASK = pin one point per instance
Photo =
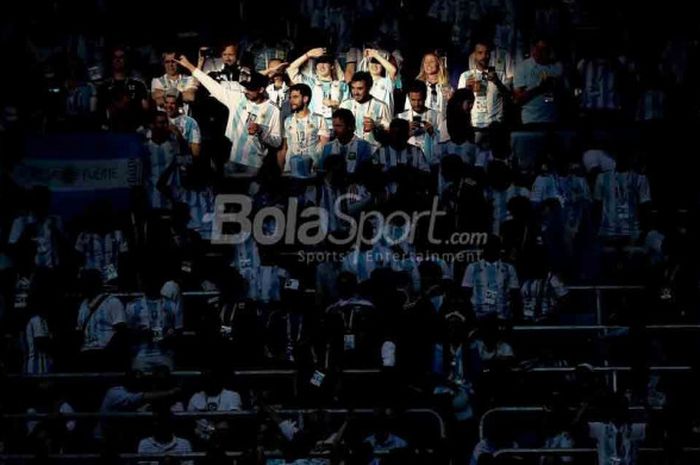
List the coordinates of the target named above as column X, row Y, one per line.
column 325, row 59
column 256, row 81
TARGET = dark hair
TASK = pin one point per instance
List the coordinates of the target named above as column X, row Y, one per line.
column 417, row 86
column 346, row 116
column 363, row 76
column 458, row 122
column 158, row 113
column 303, row 89
column 482, row 41
column 400, row 124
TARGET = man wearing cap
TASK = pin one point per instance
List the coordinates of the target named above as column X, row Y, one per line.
column 187, row 125
column 253, row 123
column 372, row 116
column 327, row 90
column 305, row 133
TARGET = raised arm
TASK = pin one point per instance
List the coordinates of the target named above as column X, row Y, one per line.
column 293, row 69
column 223, row 95
column 388, row 66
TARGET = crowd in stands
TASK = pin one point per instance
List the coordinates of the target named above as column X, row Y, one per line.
column 541, row 142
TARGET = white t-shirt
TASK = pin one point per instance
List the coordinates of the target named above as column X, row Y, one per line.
column 542, row 108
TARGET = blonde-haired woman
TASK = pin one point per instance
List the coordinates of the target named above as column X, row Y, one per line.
column 434, row 73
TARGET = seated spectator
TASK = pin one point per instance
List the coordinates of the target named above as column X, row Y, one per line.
column 494, row 440
column 163, row 442
column 127, row 397
column 47, row 400
column 187, row 126
column 382, row 439
column 173, row 79
column 213, row 398
column 539, row 85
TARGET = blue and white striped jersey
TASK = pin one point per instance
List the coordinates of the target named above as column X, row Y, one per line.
column 189, row 128
column 652, row 105
column 600, row 90
column 383, row 90
column 540, row 296
column 362, row 263
column 355, row 152
column 36, row 361
column 175, row 447
column 160, row 156
column 163, row 314
column 421, row 138
column 571, row 191
column 621, row 194
column 246, row 260
column 201, row 205
column 101, row 250
column 99, row 326
column 374, row 109
column 182, row 83
column 46, row 250
column 337, row 91
column 491, row 283
column 499, row 204
column 246, row 149
column 436, row 98
column 388, row 157
column 303, row 136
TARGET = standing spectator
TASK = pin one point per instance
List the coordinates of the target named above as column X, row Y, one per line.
column 621, row 195
column 500, row 190
column 38, row 339
column 155, row 322
column 542, row 293
column 539, row 85
column 427, row 125
column 277, row 90
column 327, row 90
column 599, row 77
column 383, row 73
column 617, row 438
column 228, row 70
column 35, row 238
column 173, row 79
column 187, row 125
column 121, row 79
column 401, row 160
column 438, row 89
column 352, row 149
column 164, row 146
column 491, row 284
column 101, row 245
column 305, row 133
column 101, row 325
column 490, row 87
column 253, row 122
column 373, row 113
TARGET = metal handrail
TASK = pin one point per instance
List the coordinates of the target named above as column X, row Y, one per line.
column 597, row 327
column 533, row 409
column 581, row 450
column 179, row 374
column 227, row 414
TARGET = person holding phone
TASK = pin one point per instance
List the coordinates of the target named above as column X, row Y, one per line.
column 427, row 126
column 489, row 87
